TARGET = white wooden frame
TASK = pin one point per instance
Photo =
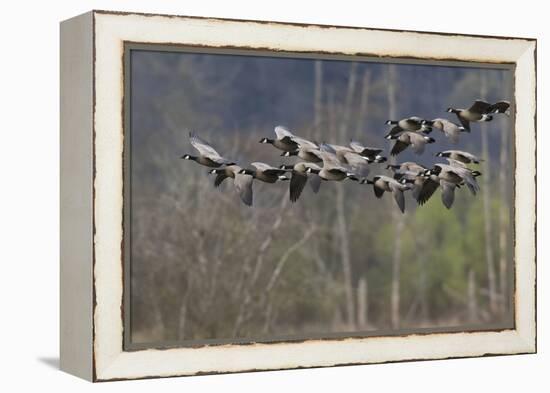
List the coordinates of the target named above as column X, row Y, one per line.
column 92, row 194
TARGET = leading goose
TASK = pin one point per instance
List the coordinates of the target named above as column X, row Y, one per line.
column 242, row 182
column 478, row 112
column 300, row 177
column 283, row 141
column 208, row 156
column 265, row 172
column 381, row 184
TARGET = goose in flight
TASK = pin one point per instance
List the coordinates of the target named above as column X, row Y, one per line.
column 413, row 123
column 458, row 155
column 479, row 111
column 381, row 184
column 416, row 140
column 333, row 169
column 208, row 156
column 450, row 129
column 283, row 141
column 265, row 172
column 300, row 176
column 242, row 182
column 306, row 150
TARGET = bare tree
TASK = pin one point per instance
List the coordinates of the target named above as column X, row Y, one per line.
column 472, row 297
column 318, row 93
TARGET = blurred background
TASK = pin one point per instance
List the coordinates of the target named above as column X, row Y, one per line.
column 204, row 266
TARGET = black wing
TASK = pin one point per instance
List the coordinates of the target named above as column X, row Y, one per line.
column 396, row 130
column 297, row 183
column 426, row 192
column 480, row 107
column 465, row 123
column 378, row 191
column 398, row 147
column 220, row 177
column 499, row 107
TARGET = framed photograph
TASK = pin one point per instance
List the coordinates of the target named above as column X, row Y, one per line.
column 245, row 195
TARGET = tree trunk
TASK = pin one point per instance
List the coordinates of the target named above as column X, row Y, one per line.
column 342, row 225
column 397, row 217
column 488, row 225
column 318, row 95
column 472, row 297
column 362, row 303
column 363, row 104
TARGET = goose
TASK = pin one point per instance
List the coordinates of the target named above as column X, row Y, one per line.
column 242, row 182
column 450, row 129
column 451, row 177
column 333, row 169
column 478, row 112
column 416, row 140
column 300, row 177
column 283, row 141
column 372, row 153
column 346, row 155
column 458, row 155
column 208, row 156
column 381, row 184
column 413, row 174
column 406, row 166
column 306, row 150
column 413, row 123
column 265, row 172
column 425, row 185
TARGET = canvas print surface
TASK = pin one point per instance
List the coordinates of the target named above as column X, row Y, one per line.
column 283, row 198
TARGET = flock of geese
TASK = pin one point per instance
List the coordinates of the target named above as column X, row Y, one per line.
column 319, row 162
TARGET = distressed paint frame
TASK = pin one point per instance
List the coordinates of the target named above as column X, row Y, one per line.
column 111, row 30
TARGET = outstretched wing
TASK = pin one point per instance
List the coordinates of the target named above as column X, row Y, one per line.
column 479, row 106
column 243, row 184
column 203, row 147
column 395, row 130
column 297, row 183
column 220, row 177
column 282, row 132
column 426, row 191
column 447, row 193
column 465, row 123
column 398, row 147
column 305, row 143
column 398, row 195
